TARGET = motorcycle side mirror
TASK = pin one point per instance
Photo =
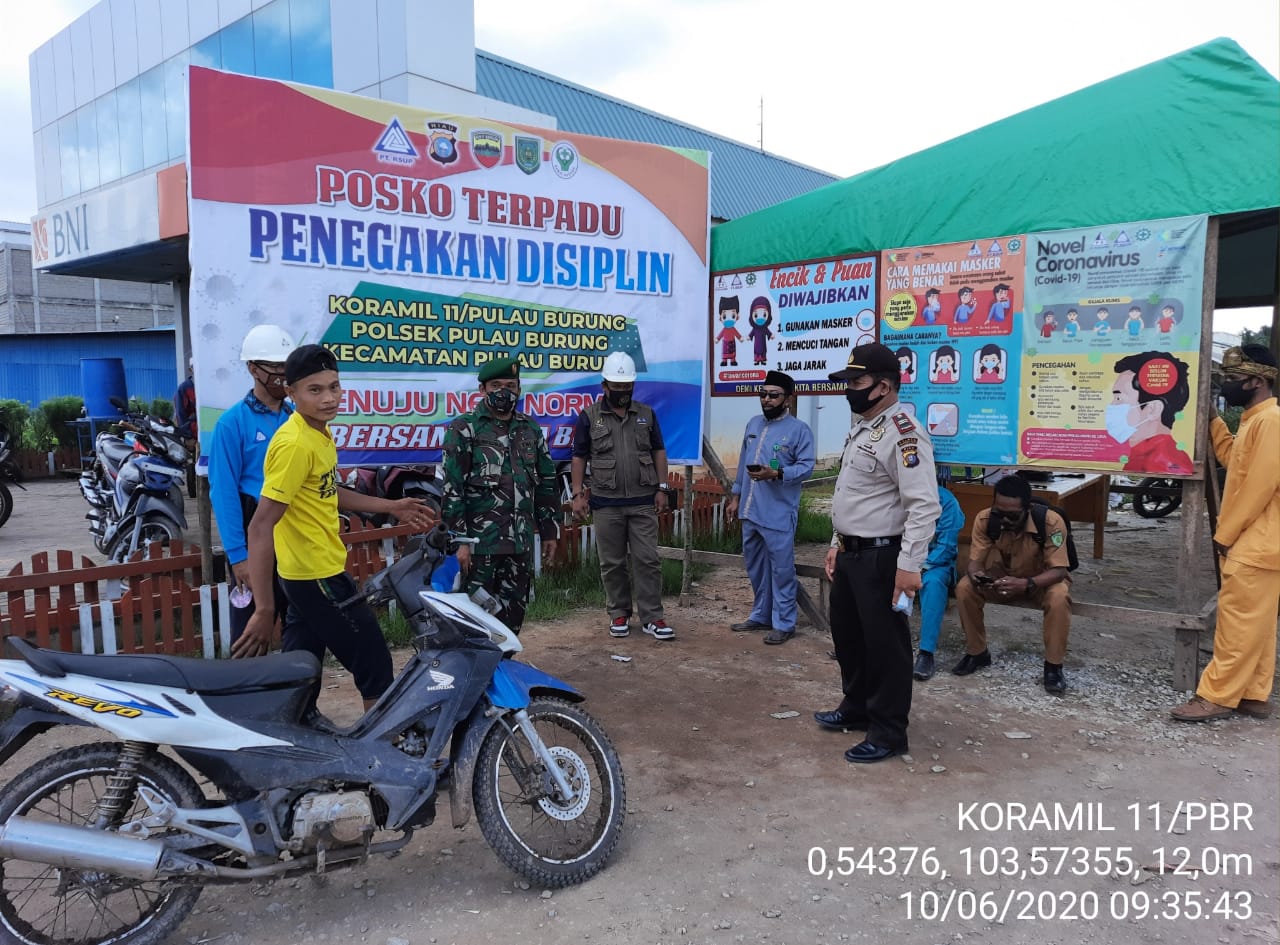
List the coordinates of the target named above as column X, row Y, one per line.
column 119, row 403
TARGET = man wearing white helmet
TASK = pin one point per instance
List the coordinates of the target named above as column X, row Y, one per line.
column 622, row 441
column 236, row 457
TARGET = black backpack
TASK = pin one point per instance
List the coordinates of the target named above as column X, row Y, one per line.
column 1039, row 510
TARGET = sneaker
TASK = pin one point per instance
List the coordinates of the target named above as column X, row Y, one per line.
column 659, row 630
column 619, row 627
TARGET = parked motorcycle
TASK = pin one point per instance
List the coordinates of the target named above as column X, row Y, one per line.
column 114, row 842
column 8, row 471
column 395, row 482
column 135, row 486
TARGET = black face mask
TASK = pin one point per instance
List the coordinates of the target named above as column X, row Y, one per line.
column 860, row 401
column 773, row 413
column 501, row 400
column 1009, row 521
column 1234, row 394
column 619, row 398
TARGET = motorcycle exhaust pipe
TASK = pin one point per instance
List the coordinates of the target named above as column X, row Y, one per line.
column 79, row 848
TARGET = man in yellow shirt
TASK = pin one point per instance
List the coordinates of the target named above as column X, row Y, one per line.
column 1240, row 675
column 295, row 529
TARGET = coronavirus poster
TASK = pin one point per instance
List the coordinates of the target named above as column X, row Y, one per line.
column 418, row 246
column 801, row 318
column 1111, row 353
column 953, row 315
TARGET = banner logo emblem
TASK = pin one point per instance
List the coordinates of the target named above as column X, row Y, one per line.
column 564, row 159
column 486, row 148
column 528, row 154
column 443, row 146
column 394, row 146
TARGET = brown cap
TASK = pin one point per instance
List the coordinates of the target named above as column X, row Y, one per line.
column 872, row 358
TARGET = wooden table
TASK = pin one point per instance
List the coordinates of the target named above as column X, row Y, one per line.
column 1083, row 496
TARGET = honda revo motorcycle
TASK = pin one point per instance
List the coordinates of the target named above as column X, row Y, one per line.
column 8, row 471
column 135, row 486
column 114, row 841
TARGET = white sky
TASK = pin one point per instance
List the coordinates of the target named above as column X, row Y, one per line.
column 847, row 84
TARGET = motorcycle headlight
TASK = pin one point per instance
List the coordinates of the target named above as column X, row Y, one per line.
column 176, row 452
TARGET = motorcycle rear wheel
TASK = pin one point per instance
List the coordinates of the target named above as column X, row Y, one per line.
column 6, row 503
column 533, row 831
column 47, row 905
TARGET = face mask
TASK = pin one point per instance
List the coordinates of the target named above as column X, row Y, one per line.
column 501, row 400
column 1234, row 394
column 1009, row 521
column 729, row 323
column 1118, row 426
column 619, row 398
column 860, row 401
column 760, row 319
column 773, row 413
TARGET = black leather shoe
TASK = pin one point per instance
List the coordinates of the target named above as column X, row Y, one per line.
column 924, row 666
column 776, row 637
column 835, row 719
column 748, row 625
column 970, row 662
column 865, row 753
column 1054, row 682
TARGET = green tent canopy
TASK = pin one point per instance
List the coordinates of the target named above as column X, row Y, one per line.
column 1198, row 132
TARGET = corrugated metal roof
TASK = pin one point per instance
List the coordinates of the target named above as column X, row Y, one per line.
column 743, row 179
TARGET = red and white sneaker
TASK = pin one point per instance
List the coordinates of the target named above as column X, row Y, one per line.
column 619, row 627
column 659, row 630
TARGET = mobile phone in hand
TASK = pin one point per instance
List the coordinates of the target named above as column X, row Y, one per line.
column 754, row 467
column 983, row 579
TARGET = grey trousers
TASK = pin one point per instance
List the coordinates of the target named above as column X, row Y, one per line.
column 633, row 527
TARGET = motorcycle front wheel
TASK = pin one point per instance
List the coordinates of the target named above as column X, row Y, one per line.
column 49, row 905
column 155, row 527
column 6, row 503
column 548, row 839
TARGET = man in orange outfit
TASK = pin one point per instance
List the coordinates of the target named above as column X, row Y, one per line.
column 1239, row 676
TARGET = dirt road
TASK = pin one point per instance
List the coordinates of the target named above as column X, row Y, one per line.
column 731, row 811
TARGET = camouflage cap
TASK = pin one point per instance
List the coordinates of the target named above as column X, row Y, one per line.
column 501, row 367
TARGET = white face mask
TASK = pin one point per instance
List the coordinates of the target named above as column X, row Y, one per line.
column 1118, row 426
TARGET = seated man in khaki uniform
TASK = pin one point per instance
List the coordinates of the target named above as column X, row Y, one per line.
column 1010, row 561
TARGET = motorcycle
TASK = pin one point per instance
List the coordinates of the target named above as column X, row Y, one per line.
column 8, row 470
column 395, row 482
column 114, row 842
column 134, row 488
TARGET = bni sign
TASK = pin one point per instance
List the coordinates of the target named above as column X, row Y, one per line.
column 115, row 218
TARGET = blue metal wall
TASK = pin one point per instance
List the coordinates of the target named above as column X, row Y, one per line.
column 34, row 368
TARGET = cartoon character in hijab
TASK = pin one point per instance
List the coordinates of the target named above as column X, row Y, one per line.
column 990, row 365
column 761, row 319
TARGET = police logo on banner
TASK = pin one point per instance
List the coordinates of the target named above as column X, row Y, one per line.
column 486, row 147
column 394, row 146
column 528, row 153
column 443, row 146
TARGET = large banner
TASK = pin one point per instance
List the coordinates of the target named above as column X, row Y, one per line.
column 1111, row 352
column 800, row 318
column 953, row 315
column 417, row 246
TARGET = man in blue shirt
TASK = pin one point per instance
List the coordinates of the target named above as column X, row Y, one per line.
column 938, row 577
column 777, row 455
column 236, row 457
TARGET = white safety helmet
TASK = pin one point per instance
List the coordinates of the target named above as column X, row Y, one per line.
column 269, row 343
column 619, row 368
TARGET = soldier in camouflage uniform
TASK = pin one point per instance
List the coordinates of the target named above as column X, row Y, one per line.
column 499, row 481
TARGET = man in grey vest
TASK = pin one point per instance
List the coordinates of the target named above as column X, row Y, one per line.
column 621, row 439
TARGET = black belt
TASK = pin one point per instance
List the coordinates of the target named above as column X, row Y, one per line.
column 858, row 543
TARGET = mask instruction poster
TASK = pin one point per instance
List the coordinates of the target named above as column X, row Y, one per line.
column 1111, row 348
column 418, row 246
column 799, row 318
column 953, row 315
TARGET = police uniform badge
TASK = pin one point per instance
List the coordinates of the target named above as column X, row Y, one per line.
column 877, row 429
column 903, row 423
column 443, row 144
column 910, row 456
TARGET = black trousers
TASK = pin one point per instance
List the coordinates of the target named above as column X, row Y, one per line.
column 872, row 643
column 329, row 614
column 240, row 615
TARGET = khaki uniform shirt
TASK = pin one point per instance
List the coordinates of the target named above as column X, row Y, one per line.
column 887, row 485
column 1018, row 553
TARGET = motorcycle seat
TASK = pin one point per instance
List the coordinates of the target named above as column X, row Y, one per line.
column 214, row 677
column 115, row 452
